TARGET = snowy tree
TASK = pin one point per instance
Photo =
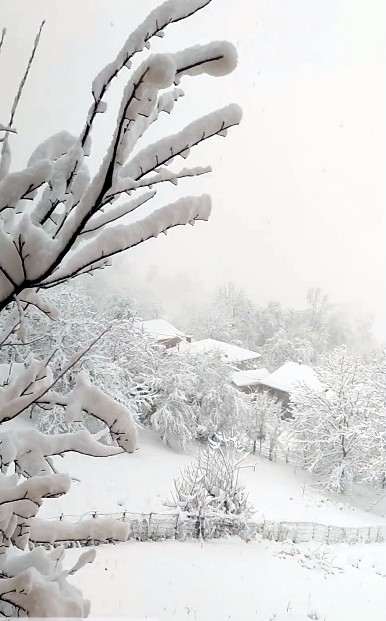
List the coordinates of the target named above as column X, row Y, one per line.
column 182, row 395
column 263, row 423
column 56, row 223
column 351, row 328
column 172, row 412
column 328, row 423
column 80, row 321
column 284, row 346
column 318, row 307
column 210, row 486
column 372, row 463
column 221, row 407
column 229, row 317
column 192, row 397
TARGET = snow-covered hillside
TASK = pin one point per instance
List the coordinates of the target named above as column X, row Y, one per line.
column 141, row 482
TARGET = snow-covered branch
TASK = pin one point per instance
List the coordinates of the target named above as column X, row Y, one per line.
column 167, row 13
column 57, row 223
column 165, row 150
column 29, row 450
column 91, row 399
column 116, row 239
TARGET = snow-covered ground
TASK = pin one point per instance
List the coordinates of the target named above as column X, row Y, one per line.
column 230, row 580
column 142, row 481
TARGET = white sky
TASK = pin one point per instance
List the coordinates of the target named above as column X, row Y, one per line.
column 298, row 189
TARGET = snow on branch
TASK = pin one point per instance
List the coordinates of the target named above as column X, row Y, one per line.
column 216, row 59
column 27, row 386
column 29, row 450
column 33, row 382
column 25, row 76
column 167, row 13
column 88, row 398
column 19, row 185
column 94, row 529
column 165, row 150
column 35, row 582
column 21, row 502
column 5, row 156
column 57, row 223
column 40, row 244
column 111, row 215
column 116, row 239
column 7, row 128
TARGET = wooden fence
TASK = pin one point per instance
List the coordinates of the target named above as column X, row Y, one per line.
column 161, row 526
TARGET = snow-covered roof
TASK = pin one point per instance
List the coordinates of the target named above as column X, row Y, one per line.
column 248, row 378
column 290, row 375
column 161, row 329
column 231, row 353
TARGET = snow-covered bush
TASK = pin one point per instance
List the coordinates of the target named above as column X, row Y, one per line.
column 56, row 223
column 328, row 424
column 210, row 486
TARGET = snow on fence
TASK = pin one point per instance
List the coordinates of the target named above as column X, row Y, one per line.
column 299, row 532
column 94, row 529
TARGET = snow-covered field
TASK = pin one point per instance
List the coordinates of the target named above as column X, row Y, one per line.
column 230, row 580
column 142, row 481
column 227, row 579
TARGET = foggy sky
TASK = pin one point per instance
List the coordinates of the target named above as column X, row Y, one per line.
column 298, row 189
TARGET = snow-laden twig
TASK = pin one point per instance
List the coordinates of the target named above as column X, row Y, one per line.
column 5, row 156
column 56, row 223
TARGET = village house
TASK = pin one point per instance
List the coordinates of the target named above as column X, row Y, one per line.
column 284, row 381
column 164, row 333
column 238, row 357
column 249, row 380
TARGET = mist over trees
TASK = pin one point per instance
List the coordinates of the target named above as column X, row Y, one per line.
column 281, row 333
column 227, row 313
